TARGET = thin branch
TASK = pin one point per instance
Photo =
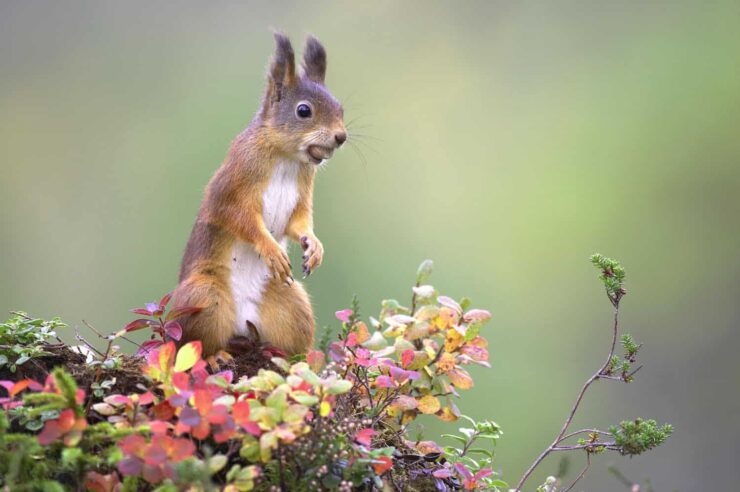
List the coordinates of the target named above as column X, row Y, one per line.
column 107, row 337
column 598, row 374
column 580, row 475
column 89, row 345
column 584, row 431
column 587, row 446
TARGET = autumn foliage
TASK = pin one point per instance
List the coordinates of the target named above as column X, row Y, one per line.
column 336, row 419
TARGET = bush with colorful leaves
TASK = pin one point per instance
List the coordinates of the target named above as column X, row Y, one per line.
column 334, row 419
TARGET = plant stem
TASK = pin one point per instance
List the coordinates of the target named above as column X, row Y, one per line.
column 561, row 436
column 580, row 475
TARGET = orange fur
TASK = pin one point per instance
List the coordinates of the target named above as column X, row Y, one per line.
column 232, row 210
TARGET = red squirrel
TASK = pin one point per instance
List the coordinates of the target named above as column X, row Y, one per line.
column 235, row 266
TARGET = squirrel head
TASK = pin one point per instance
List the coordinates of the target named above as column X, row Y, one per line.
column 305, row 121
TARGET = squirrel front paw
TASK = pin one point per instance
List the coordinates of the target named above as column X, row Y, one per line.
column 277, row 261
column 313, row 253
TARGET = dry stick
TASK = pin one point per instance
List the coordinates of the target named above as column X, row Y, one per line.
column 80, row 338
column 573, row 410
column 108, row 337
column 99, row 369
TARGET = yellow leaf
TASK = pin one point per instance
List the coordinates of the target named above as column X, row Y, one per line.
column 428, row 404
column 324, row 409
column 446, row 318
column 447, row 415
column 187, row 356
column 453, row 340
column 408, row 416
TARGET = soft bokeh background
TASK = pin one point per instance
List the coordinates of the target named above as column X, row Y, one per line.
column 505, row 140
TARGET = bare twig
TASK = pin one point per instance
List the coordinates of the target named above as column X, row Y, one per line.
column 584, row 431
column 601, row 373
column 580, row 475
column 107, row 337
column 89, row 345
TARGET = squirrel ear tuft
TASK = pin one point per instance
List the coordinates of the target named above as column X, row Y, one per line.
column 314, row 60
column 282, row 68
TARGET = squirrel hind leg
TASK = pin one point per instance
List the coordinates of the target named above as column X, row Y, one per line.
column 214, row 324
column 286, row 318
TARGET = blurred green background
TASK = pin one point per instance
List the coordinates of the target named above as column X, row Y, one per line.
column 505, row 140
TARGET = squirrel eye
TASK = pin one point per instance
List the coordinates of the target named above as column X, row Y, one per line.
column 303, row 111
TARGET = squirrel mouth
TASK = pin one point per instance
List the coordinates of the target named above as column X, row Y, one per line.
column 318, row 153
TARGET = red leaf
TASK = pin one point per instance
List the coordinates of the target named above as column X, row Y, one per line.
column 173, row 330
column 315, row 360
column 129, row 466
column 155, row 455
column 137, row 324
column 159, row 427
column 201, row 430
column 218, row 414
column 240, row 411
column 50, row 433
column 165, row 300
column 365, row 436
column 148, row 346
column 407, row 357
column 96, row 482
column 152, row 474
column 133, row 444
column 142, row 311
column 351, row 339
column 146, row 398
column 463, row 471
column 181, row 449
column 252, row 427
column 66, row 420
column 181, row 381
column 163, row 410
column 203, row 401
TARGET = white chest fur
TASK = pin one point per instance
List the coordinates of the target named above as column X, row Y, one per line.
column 249, row 274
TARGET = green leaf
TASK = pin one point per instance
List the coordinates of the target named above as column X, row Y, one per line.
column 461, row 439
column 482, row 451
column 217, row 462
column 338, row 387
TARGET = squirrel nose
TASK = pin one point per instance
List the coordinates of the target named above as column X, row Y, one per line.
column 340, row 138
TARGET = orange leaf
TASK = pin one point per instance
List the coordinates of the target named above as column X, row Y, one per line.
column 363, row 335
column 382, row 464
column 446, row 362
column 315, row 360
column 460, row 378
column 166, row 354
column 188, row 355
